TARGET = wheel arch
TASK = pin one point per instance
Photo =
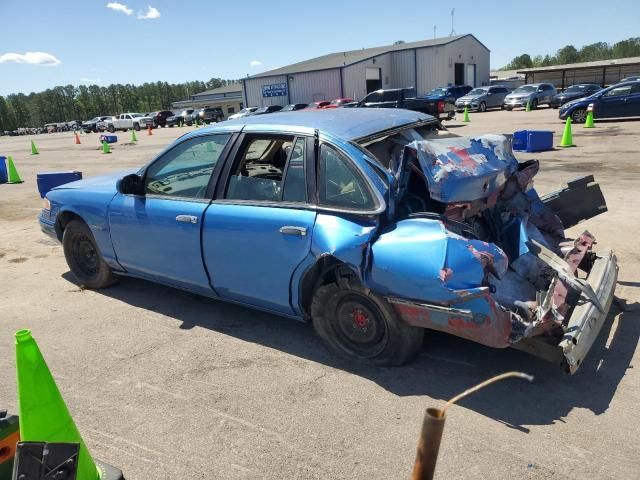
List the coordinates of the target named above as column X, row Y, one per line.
column 63, row 219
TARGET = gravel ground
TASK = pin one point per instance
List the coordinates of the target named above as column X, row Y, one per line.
column 166, row 385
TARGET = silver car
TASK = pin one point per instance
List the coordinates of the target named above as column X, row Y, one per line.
column 535, row 93
column 481, row 98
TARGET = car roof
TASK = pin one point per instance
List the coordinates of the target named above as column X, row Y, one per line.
column 347, row 123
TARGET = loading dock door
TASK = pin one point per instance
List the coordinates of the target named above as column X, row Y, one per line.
column 374, row 79
column 459, row 74
column 471, row 74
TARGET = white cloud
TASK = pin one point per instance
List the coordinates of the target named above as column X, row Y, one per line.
column 152, row 13
column 90, row 80
column 255, row 63
column 33, row 58
column 119, row 7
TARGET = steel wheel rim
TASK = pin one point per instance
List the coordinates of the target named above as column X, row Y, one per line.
column 359, row 326
column 84, row 254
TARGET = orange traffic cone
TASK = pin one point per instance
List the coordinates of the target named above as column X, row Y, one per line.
column 149, row 132
column 77, row 139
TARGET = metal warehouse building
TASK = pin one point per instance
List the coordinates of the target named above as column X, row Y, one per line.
column 455, row 60
column 604, row 72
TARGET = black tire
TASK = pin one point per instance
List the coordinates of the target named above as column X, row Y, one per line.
column 579, row 115
column 509, row 108
column 482, row 107
column 84, row 258
column 502, row 107
column 111, row 129
column 355, row 323
column 136, row 127
column 534, row 104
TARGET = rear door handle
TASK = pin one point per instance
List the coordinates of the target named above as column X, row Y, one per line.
column 187, row 219
column 292, row 230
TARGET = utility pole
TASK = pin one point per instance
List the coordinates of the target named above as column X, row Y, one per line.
column 453, row 30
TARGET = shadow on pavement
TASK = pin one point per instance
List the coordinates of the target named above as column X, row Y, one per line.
column 446, row 365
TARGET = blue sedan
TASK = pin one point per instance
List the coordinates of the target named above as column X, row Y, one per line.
column 372, row 224
column 617, row 101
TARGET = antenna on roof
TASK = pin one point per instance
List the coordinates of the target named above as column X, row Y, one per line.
column 453, row 30
column 434, row 32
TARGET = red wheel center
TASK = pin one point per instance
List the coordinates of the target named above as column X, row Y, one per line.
column 360, row 319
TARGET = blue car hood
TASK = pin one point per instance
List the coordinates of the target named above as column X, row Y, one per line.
column 102, row 183
column 460, row 169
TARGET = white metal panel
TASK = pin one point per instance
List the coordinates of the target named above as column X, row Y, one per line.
column 314, row 86
column 469, row 51
column 353, row 76
column 433, row 69
column 253, row 91
column 403, row 69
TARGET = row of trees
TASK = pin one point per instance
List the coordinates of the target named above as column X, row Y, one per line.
column 62, row 104
column 588, row 53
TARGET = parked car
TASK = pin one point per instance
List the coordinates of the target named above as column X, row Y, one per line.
column 126, row 121
column 406, row 98
column 573, row 92
column 316, row 105
column 338, row 102
column 210, row 114
column 482, row 98
column 160, row 117
column 267, row 109
column 617, row 101
column 242, row 113
column 449, row 94
column 95, row 125
column 179, row 118
column 293, row 107
column 535, row 93
column 629, row 79
column 372, row 253
column 147, row 121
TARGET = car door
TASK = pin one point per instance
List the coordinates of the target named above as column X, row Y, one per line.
column 631, row 107
column 157, row 235
column 258, row 230
column 613, row 102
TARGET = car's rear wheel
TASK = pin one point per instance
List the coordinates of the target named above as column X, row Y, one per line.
column 579, row 115
column 84, row 258
column 482, row 107
column 136, row 127
column 357, row 324
column 111, row 129
column 509, row 108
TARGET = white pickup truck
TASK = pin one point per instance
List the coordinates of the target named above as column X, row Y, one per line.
column 127, row 121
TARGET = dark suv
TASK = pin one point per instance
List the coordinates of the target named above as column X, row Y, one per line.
column 160, row 117
column 210, row 114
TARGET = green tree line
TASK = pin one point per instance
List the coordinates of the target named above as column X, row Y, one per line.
column 570, row 54
column 63, row 104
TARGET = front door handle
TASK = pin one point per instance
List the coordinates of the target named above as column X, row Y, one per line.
column 292, row 230
column 187, row 219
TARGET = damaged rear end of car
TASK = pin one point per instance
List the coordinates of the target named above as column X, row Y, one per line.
column 468, row 247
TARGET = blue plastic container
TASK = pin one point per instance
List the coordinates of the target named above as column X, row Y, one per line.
column 533, row 140
column 48, row 180
column 4, row 176
column 109, row 138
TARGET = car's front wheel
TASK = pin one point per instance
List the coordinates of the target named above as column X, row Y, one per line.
column 579, row 115
column 482, row 107
column 84, row 258
column 111, row 129
column 359, row 325
column 136, row 127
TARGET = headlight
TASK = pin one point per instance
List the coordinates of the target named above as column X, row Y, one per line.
column 46, row 204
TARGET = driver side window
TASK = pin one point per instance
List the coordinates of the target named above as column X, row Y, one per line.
column 185, row 170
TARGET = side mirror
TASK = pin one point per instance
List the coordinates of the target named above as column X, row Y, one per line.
column 131, row 185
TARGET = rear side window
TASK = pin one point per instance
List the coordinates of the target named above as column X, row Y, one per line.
column 339, row 184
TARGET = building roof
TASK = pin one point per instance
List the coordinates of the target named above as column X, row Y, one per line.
column 346, row 123
column 342, row 59
column 583, row 65
column 228, row 88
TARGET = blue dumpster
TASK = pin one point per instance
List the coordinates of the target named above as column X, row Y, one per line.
column 3, row 170
column 109, row 138
column 48, row 180
column 533, row 140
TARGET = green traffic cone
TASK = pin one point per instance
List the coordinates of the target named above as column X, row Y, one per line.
column 465, row 117
column 528, row 107
column 44, row 417
column 12, row 172
column 133, row 136
column 589, row 121
column 34, row 149
column 567, row 137
column 105, row 147
column 195, row 123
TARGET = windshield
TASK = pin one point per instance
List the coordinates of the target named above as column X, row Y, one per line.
column 136, row 115
column 288, row 108
column 578, row 88
column 94, row 119
column 477, row 91
column 438, row 91
column 525, row 89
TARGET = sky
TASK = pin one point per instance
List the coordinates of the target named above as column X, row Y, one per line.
column 45, row 43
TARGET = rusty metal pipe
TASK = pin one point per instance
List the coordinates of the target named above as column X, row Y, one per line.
column 429, row 444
